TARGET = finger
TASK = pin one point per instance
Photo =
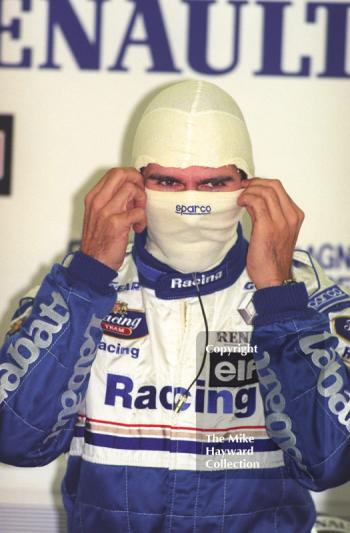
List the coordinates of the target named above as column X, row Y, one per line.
column 97, row 188
column 89, row 199
column 111, row 183
column 118, row 225
column 137, row 219
column 256, row 206
column 272, row 202
column 292, row 212
column 127, row 197
column 114, row 182
column 101, row 193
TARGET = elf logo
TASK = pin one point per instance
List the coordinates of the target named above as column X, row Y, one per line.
column 232, row 370
column 182, row 209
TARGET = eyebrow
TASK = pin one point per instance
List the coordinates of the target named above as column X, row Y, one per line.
column 159, row 177
column 216, row 178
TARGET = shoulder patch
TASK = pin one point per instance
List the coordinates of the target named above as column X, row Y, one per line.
column 125, row 323
column 342, row 326
column 20, row 315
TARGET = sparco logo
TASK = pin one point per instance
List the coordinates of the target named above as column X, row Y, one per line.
column 182, row 209
column 26, row 350
column 72, row 398
column 330, row 381
column 324, row 298
column 278, row 423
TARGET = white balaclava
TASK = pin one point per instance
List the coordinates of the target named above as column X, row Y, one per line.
column 192, row 123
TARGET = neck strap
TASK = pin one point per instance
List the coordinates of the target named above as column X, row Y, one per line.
column 169, row 284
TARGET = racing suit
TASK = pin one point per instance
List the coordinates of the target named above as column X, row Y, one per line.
column 95, row 363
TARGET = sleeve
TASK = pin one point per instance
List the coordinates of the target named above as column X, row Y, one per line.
column 304, row 379
column 46, row 359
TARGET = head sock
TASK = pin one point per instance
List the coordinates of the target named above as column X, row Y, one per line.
column 192, row 123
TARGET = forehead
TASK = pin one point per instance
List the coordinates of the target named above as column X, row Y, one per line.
column 189, row 172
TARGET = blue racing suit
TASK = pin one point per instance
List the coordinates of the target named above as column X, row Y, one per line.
column 94, row 364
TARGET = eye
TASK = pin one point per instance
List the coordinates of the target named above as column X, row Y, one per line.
column 215, row 183
column 167, row 182
column 161, row 183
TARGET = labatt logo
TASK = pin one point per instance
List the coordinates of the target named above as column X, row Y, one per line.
column 125, row 323
column 330, row 382
column 40, row 335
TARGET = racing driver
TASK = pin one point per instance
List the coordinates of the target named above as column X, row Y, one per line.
column 199, row 382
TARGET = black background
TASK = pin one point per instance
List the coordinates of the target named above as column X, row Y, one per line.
column 6, row 125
